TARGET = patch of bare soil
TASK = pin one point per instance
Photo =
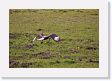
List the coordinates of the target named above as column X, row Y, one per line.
column 73, row 51
column 26, row 64
column 12, row 36
column 13, row 63
column 40, row 29
column 29, row 46
column 91, row 48
column 44, row 55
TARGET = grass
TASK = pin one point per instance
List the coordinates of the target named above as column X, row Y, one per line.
column 78, row 29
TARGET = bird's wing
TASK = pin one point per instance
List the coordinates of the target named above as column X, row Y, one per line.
column 41, row 38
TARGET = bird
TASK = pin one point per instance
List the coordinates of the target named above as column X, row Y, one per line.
column 41, row 37
column 55, row 37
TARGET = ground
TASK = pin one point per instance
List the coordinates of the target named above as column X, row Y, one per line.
column 78, row 29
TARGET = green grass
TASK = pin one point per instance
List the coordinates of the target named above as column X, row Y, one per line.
column 78, row 29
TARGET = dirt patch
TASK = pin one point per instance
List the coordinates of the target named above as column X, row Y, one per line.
column 91, row 48
column 57, row 61
column 79, row 40
column 44, row 55
column 63, row 11
column 69, row 61
column 12, row 36
column 26, row 64
column 73, row 51
column 54, row 62
column 40, row 29
column 29, row 46
column 41, row 55
column 93, row 14
column 13, row 63
column 67, row 57
column 93, row 61
column 16, row 57
column 80, row 11
column 26, row 34
column 15, row 47
column 10, row 42
column 78, row 58
column 34, row 55
column 19, row 35
column 67, row 29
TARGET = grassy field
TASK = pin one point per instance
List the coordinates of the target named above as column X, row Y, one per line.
column 78, row 29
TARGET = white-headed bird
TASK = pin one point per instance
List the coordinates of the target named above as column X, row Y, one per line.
column 41, row 37
column 55, row 37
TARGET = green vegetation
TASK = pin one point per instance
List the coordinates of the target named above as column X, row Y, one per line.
column 78, row 29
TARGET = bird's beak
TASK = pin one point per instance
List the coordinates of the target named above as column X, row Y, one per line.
column 34, row 39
